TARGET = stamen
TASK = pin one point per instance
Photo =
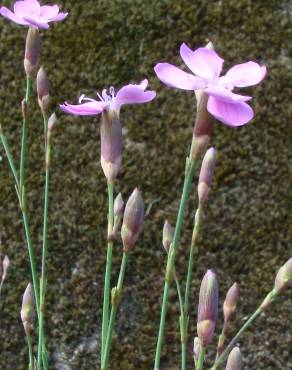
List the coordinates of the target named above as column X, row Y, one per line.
column 112, row 91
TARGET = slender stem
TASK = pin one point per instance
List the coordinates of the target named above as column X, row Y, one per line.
column 44, row 252
column 24, row 135
column 201, row 358
column 116, row 297
column 30, row 352
column 9, row 157
column 269, row 298
column 107, row 283
column 190, row 171
column 221, row 341
column 182, row 325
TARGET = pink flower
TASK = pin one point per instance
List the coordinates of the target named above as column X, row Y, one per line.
column 129, row 94
column 31, row 13
column 206, row 64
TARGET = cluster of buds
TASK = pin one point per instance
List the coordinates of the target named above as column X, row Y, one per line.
column 32, row 52
column 207, row 308
column 206, row 174
column 132, row 221
column 27, row 309
column 111, row 144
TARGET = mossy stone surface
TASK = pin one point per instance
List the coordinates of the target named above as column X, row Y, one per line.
column 246, row 236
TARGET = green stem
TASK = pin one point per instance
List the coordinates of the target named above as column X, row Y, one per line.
column 190, row 171
column 182, row 325
column 107, row 283
column 269, row 298
column 116, row 297
column 9, row 157
column 30, row 353
column 24, row 135
column 201, row 358
column 44, row 254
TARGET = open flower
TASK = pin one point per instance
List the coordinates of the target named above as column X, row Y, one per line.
column 206, row 64
column 129, row 94
column 31, row 13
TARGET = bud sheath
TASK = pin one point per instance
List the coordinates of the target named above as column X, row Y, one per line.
column 167, row 235
column 284, row 277
column 32, row 52
column 229, row 306
column 43, row 90
column 27, row 309
column 133, row 219
column 208, row 308
column 206, row 174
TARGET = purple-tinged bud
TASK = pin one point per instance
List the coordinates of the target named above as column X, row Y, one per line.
column 284, row 277
column 207, row 308
column 196, row 349
column 111, row 144
column 206, row 174
column 52, row 122
column 133, row 219
column 234, row 361
column 167, row 235
column 43, row 90
column 5, row 266
column 118, row 205
column 27, row 309
column 229, row 306
column 32, row 52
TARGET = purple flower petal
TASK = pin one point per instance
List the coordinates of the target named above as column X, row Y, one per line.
column 40, row 23
column 176, row 77
column 27, row 7
column 203, row 62
column 85, row 109
column 59, row 17
column 231, row 114
column 223, row 94
column 134, row 94
column 246, row 74
column 5, row 12
column 49, row 11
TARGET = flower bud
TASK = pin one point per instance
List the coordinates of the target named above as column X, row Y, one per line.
column 167, row 235
column 133, row 219
column 5, row 266
column 111, row 144
column 229, row 306
column 196, row 349
column 32, row 52
column 27, row 309
column 118, row 205
column 206, row 174
column 52, row 122
column 43, row 90
column 284, row 277
column 210, row 46
column 234, row 361
column 207, row 308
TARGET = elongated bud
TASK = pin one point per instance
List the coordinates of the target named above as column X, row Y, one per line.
column 196, row 349
column 52, row 122
column 5, row 266
column 133, row 219
column 32, row 52
column 27, row 309
column 118, row 214
column 208, row 308
column 118, row 205
column 167, row 235
column 234, row 361
column 284, row 277
column 229, row 306
column 43, row 90
column 206, row 175
column 111, row 145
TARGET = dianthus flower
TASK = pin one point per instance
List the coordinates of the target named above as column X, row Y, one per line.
column 225, row 105
column 31, row 13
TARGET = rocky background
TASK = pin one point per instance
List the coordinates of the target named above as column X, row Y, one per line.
column 247, row 232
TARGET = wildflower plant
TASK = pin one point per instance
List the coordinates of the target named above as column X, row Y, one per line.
column 217, row 99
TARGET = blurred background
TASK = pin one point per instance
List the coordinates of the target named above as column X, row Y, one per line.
column 246, row 235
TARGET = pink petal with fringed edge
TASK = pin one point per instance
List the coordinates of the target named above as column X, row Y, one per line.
column 246, row 74
column 86, row 109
